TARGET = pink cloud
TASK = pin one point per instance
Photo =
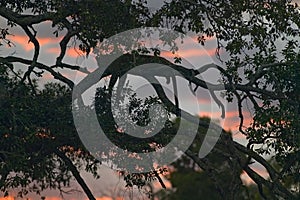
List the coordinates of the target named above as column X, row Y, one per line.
column 71, row 52
column 23, row 40
column 232, row 120
column 189, row 53
column 231, row 115
column 7, row 198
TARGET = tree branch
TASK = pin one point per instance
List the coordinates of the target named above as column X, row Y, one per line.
column 64, row 42
column 275, row 185
column 26, row 20
column 56, row 75
column 76, row 174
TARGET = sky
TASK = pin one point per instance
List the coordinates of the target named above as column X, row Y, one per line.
column 109, row 179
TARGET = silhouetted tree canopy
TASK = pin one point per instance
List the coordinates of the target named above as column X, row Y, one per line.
column 260, row 39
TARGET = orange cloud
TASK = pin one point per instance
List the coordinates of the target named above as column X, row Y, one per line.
column 23, row 40
column 27, row 198
column 7, row 198
column 232, row 120
column 71, row 52
column 58, row 198
column 104, row 198
column 233, row 124
column 189, row 53
column 53, row 50
column 52, row 198
column 228, row 114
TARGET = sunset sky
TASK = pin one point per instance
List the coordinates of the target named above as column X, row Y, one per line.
column 109, row 179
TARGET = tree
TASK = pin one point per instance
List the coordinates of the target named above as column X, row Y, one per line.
column 36, row 133
column 64, row 151
column 185, row 171
column 262, row 67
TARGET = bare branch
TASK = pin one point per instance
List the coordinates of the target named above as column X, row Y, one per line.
column 64, row 42
column 76, row 174
column 258, row 158
column 32, row 38
column 26, row 20
column 56, row 75
column 159, row 179
column 240, row 110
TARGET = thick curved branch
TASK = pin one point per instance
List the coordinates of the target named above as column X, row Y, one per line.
column 25, row 20
column 179, row 112
column 257, row 179
column 121, row 65
column 64, row 42
column 273, row 174
column 32, row 38
column 275, row 185
column 25, row 23
column 189, row 75
column 76, row 174
column 56, row 75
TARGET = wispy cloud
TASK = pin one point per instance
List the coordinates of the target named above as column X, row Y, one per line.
column 71, row 52
column 24, row 42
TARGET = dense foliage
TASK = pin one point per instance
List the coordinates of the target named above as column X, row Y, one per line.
column 35, row 126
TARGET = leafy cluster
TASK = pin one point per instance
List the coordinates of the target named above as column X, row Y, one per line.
column 34, row 125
